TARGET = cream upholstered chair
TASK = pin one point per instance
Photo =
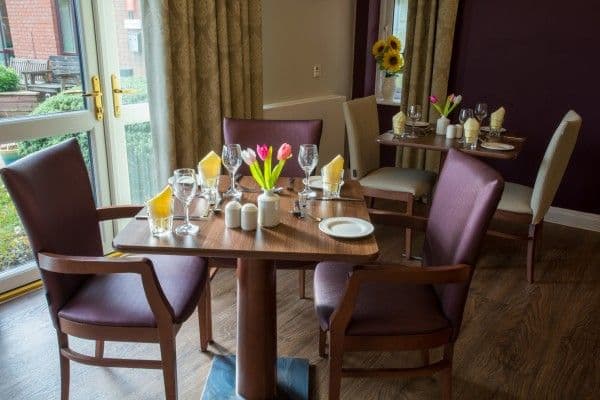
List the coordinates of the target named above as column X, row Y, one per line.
column 394, row 183
column 524, row 204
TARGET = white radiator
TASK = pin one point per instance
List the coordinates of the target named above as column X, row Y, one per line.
column 327, row 108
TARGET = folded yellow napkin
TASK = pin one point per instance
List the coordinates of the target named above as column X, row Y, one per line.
column 497, row 118
column 210, row 166
column 332, row 171
column 160, row 206
column 398, row 122
column 471, row 130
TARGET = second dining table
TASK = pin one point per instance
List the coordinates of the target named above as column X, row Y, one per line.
column 293, row 239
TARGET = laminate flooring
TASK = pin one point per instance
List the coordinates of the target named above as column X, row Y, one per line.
column 518, row 341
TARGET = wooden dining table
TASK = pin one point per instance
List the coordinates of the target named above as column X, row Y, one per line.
column 254, row 374
column 431, row 141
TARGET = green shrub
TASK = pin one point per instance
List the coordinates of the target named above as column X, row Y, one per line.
column 9, row 79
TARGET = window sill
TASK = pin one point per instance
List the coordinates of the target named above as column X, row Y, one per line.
column 396, row 103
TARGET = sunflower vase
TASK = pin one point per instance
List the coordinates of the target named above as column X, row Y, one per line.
column 388, row 88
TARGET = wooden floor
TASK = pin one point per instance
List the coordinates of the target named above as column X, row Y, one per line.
column 518, row 341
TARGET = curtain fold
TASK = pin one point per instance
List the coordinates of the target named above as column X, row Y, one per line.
column 203, row 63
column 430, row 35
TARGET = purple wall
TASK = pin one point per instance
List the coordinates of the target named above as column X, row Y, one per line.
column 538, row 59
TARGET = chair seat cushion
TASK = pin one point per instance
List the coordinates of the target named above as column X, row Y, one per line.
column 415, row 181
column 381, row 308
column 119, row 299
column 279, row 264
column 516, row 198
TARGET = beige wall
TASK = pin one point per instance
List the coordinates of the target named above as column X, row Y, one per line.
column 300, row 33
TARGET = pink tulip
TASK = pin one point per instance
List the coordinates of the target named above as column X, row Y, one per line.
column 433, row 99
column 451, row 97
column 262, row 151
column 284, row 152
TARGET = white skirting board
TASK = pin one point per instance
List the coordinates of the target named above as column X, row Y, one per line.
column 572, row 218
column 328, row 108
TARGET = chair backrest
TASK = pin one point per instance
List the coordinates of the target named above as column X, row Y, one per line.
column 362, row 127
column 553, row 166
column 250, row 132
column 464, row 201
column 53, row 196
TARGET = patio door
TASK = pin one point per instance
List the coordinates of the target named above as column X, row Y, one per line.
column 77, row 71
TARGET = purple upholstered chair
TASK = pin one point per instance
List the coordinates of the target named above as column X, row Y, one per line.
column 141, row 299
column 249, row 133
column 385, row 307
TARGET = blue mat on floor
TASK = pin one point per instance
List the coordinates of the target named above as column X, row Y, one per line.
column 292, row 379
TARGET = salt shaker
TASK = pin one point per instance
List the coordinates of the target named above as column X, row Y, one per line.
column 249, row 217
column 450, row 131
column 459, row 131
column 233, row 214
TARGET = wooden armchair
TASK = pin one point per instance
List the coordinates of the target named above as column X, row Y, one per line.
column 398, row 308
column 141, row 299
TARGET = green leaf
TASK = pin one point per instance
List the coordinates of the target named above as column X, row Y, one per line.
column 256, row 174
column 277, row 171
column 267, row 168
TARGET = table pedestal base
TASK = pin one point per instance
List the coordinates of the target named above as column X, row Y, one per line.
column 292, row 379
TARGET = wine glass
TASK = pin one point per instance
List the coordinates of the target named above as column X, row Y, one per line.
column 414, row 114
column 184, row 187
column 232, row 159
column 308, row 158
column 481, row 111
column 465, row 114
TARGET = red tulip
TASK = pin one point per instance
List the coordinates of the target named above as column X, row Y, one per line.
column 433, row 99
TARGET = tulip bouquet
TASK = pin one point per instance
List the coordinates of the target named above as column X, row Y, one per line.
column 267, row 177
column 451, row 103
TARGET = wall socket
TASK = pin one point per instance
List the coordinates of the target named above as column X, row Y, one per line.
column 317, row 71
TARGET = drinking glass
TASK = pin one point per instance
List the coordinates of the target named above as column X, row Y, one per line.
column 481, row 111
column 308, row 158
column 160, row 222
column 232, row 159
column 414, row 114
column 331, row 188
column 185, row 186
column 209, row 186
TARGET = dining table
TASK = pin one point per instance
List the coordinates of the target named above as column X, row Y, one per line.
column 253, row 372
column 432, row 141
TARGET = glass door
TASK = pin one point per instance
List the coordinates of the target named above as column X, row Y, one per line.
column 75, row 69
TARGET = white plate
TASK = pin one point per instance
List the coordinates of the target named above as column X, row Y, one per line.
column 346, row 227
column 498, row 146
column 418, row 124
column 316, row 182
column 487, row 129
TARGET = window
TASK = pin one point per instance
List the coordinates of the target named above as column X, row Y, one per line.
column 67, row 27
column 392, row 21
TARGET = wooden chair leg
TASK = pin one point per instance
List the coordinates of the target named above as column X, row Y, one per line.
column 205, row 317
column 301, row 284
column 425, row 356
column 335, row 367
column 531, row 243
column 99, row 348
column 408, row 232
column 65, row 370
column 446, row 374
column 169, row 363
column 322, row 343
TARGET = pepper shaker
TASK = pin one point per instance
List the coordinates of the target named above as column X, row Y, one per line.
column 249, row 216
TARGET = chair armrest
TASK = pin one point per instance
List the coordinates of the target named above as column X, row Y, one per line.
column 116, row 212
column 394, row 218
column 79, row 265
column 391, row 273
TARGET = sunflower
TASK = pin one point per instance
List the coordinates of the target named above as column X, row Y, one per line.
column 392, row 62
column 378, row 48
column 393, row 43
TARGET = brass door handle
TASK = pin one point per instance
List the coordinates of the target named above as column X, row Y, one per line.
column 125, row 91
column 117, row 91
column 96, row 94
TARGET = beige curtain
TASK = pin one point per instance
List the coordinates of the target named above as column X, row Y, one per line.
column 204, row 62
column 430, row 33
